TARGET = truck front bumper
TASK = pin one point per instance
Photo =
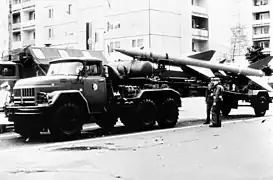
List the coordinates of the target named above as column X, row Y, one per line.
column 39, row 110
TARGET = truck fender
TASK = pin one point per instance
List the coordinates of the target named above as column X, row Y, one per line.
column 57, row 97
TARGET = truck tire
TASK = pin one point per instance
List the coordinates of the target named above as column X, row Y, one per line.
column 260, row 107
column 225, row 110
column 107, row 120
column 168, row 115
column 146, row 113
column 143, row 117
column 67, row 121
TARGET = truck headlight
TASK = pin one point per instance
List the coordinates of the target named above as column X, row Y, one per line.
column 42, row 98
column 51, row 97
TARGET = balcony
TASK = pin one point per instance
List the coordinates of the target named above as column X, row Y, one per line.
column 16, row 26
column 28, row 42
column 28, row 25
column 199, row 11
column 28, row 4
column 266, row 51
column 16, row 7
column 16, row 44
column 263, row 8
column 200, row 34
column 261, row 22
column 261, row 36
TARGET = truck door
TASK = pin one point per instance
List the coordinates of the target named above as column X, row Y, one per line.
column 95, row 86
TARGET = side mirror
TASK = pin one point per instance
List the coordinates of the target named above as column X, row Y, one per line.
column 105, row 70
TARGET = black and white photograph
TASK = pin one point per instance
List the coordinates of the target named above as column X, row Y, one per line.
column 136, row 90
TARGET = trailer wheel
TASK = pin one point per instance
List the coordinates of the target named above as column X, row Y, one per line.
column 260, row 107
column 168, row 115
column 67, row 121
column 107, row 120
column 225, row 110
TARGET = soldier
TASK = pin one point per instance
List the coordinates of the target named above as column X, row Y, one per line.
column 209, row 100
column 217, row 103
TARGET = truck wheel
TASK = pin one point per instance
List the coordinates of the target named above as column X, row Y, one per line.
column 143, row 117
column 67, row 121
column 260, row 107
column 168, row 115
column 107, row 120
column 225, row 110
column 146, row 114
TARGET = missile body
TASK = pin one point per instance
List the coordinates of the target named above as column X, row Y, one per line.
column 175, row 61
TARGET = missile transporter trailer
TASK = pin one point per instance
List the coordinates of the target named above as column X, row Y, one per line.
column 240, row 83
column 80, row 90
column 245, row 91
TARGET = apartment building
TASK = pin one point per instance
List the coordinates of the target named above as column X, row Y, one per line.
column 261, row 24
column 175, row 27
column 23, row 23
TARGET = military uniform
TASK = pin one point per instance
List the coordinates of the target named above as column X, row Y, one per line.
column 217, row 104
column 209, row 101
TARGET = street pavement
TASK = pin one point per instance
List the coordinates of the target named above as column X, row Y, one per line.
column 241, row 149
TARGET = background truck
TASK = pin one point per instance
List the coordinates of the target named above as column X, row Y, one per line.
column 77, row 89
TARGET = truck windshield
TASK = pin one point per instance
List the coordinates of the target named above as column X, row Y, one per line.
column 65, row 68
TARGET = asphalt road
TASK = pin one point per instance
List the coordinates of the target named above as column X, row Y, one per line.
column 240, row 150
column 192, row 112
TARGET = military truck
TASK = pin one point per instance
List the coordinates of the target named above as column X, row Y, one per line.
column 78, row 89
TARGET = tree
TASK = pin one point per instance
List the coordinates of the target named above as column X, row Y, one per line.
column 239, row 41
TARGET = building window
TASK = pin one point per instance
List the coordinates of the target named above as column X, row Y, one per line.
column 96, row 37
column 50, row 33
column 193, row 47
column 16, row 36
column 261, row 30
column 69, row 10
column 111, row 48
column 50, row 13
column 133, row 43
column 199, row 23
column 31, row 15
column 33, row 35
column 114, row 45
column 16, row 18
column 109, row 26
column 117, row 44
column 117, row 26
column 260, row 16
column 137, row 43
column 262, row 44
column 16, row 2
column 260, row 2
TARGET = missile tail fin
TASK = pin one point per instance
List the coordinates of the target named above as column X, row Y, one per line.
column 205, row 56
column 261, row 63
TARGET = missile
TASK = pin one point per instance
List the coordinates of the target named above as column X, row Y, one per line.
column 176, row 61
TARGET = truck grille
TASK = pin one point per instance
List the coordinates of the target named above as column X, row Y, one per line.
column 25, row 96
